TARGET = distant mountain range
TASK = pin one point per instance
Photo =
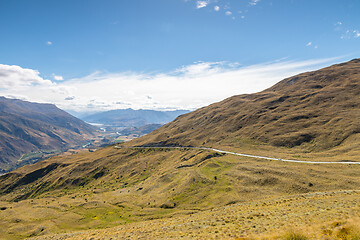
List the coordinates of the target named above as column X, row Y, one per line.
column 133, row 118
column 27, row 127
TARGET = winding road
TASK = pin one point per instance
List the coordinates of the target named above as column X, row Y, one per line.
column 248, row 155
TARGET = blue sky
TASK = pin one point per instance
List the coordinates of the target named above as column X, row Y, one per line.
column 66, row 42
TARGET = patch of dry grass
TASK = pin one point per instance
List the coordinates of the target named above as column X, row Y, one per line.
column 332, row 215
column 136, row 185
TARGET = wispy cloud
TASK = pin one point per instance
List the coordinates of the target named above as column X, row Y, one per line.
column 254, row 2
column 349, row 34
column 347, row 31
column 310, row 44
column 49, row 43
column 356, row 33
column 188, row 87
column 201, row 4
column 57, row 77
column 223, row 5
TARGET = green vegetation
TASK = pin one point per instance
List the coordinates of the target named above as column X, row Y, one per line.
column 40, row 154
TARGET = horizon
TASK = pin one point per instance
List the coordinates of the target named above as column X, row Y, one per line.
column 165, row 55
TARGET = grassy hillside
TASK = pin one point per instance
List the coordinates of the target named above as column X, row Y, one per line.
column 198, row 193
column 314, row 111
column 112, row 187
column 330, row 215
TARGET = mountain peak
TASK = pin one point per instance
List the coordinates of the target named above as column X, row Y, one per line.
column 355, row 60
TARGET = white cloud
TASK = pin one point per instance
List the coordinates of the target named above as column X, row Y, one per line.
column 254, row 2
column 356, row 33
column 216, row 8
column 228, row 13
column 58, row 77
column 49, row 43
column 12, row 76
column 188, row 87
column 309, row 44
column 199, row 68
column 201, row 4
column 349, row 34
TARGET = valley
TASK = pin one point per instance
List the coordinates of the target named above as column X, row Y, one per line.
column 127, row 118
column 278, row 164
column 179, row 120
column 124, row 125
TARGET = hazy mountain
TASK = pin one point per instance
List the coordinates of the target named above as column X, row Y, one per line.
column 81, row 114
column 133, row 118
column 30, row 127
column 146, row 129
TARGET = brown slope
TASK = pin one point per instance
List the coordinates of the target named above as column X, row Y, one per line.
column 144, row 183
column 317, row 110
column 114, row 186
column 30, row 127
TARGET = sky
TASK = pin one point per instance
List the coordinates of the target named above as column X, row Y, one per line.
column 98, row 55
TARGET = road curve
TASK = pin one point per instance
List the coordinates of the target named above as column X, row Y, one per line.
column 250, row 156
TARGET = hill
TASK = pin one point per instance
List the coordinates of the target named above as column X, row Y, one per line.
column 315, row 111
column 121, row 184
column 33, row 128
column 112, row 187
column 133, row 118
